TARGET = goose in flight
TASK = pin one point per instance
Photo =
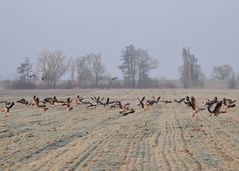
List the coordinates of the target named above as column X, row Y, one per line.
column 148, row 102
column 215, row 107
column 7, row 106
column 193, row 103
column 125, row 109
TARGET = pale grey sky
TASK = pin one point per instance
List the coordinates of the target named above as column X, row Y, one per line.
column 163, row 27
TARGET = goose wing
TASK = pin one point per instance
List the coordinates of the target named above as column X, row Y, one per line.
column 211, row 107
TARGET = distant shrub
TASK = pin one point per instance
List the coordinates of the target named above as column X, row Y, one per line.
column 18, row 84
column 167, row 85
column 232, row 84
column 67, row 85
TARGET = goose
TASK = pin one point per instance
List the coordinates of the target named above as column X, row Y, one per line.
column 148, row 102
column 22, row 101
column 229, row 102
column 187, row 101
column 167, row 101
column 33, row 101
column 33, row 76
column 7, row 107
column 125, row 109
column 42, row 106
column 210, row 101
column 98, row 100
column 179, row 101
column 91, row 105
column 50, row 100
column 215, row 107
column 194, row 104
column 79, row 100
column 67, row 104
column 114, row 104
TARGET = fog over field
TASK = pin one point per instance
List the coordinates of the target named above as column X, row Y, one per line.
column 119, row 85
column 163, row 27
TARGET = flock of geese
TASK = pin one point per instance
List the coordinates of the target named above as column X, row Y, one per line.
column 214, row 106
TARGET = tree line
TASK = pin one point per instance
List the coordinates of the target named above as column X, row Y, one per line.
column 192, row 76
column 55, row 70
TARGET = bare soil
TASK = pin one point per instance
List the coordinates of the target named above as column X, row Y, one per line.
column 164, row 137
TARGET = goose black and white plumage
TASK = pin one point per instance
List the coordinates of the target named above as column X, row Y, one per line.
column 215, row 107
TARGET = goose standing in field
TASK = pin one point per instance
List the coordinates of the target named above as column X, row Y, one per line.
column 50, row 100
column 22, row 101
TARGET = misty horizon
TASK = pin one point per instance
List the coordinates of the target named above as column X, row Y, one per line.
column 162, row 27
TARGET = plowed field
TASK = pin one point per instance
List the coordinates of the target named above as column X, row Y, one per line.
column 163, row 137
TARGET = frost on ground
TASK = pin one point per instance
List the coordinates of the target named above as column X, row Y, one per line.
column 163, row 137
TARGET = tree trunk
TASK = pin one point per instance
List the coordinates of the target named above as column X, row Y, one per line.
column 54, row 84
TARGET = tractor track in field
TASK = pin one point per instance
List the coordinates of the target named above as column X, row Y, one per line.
column 163, row 137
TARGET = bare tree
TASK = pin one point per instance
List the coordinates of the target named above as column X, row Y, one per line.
column 222, row 72
column 136, row 65
column 84, row 76
column 53, row 66
column 190, row 70
column 225, row 72
column 25, row 70
column 98, row 69
column 129, row 65
column 90, row 70
column 72, row 68
column 232, row 84
column 145, row 64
